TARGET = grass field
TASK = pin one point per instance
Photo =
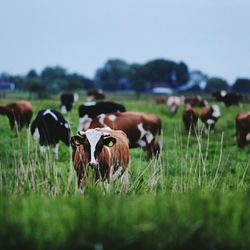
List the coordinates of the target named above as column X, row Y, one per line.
column 195, row 196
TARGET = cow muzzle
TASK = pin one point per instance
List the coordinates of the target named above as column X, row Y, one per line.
column 93, row 165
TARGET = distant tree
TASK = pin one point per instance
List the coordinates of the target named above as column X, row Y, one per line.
column 32, row 74
column 241, row 85
column 139, row 84
column 36, row 87
column 182, row 74
column 165, row 71
column 113, row 75
column 216, row 84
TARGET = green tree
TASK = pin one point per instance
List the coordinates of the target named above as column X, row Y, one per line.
column 242, row 85
column 113, row 75
column 216, row 84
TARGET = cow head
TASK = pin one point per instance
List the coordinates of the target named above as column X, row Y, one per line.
column 90, row 145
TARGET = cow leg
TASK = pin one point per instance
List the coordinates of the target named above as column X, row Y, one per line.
column 42, row 149
column 81, row 178
column 55, row 150
column 125, row 179
column 241, row 138
column 117, row 173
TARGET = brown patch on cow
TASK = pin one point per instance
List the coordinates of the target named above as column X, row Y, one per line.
column 242, row 122
column 19, row 113
column 190, row 118
column 128, row 122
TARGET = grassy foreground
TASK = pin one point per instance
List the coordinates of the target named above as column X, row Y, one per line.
column 173, row 221
column 195, row 196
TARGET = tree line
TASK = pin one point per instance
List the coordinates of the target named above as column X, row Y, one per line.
column 117, row 74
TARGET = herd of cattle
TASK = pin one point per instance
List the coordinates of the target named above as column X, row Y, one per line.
column 106, row 131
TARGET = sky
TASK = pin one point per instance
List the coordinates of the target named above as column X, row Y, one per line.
column 81, row 35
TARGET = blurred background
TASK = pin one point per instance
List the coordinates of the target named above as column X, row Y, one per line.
column 132, row 46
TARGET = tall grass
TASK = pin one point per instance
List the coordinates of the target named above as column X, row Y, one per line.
column 194, row 196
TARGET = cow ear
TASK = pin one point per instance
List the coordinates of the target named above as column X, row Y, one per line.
column 76, row 141
column 110, row 141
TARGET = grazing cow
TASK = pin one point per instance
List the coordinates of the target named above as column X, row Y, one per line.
column 88, row 112
column 190, row 118
column 95, row 95
column 105, row 151
column 142, row 129
column 228, row 98
column 67, row 101
column 174, row 102
column 19, row 113
column 242, row 121
column 161, row 100
column 210, row 116
column 48, row 128
column 196, row 101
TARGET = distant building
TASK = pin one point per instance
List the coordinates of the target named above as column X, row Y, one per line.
column 4, row 86
column 161, row 88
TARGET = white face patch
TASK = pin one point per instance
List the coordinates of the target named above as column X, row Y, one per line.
column 63, row 109
column 66, row 125
column 84, row 123
column 36, row 135
column 210, row 121
column 216, row 112
column 93, row 137
column 248, row 137
column 223, row 93
column 112, row 117
column 48, row 112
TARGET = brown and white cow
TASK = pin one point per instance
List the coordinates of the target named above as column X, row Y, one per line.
column 210, row 115
column 174, row 102
column 142, row 129
column 105, row 151
column 190, row 118
column 19, row 113
column 196, row 101
column 242, row 121
column 95, row 95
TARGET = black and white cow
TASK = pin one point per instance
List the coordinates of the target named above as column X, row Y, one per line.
column 87, row 112
column 48, row 128
column 228, row 98
column 67, row 101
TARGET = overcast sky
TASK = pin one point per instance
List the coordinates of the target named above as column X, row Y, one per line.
column 210, row 35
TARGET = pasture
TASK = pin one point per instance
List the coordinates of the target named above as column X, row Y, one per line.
column 195, row 196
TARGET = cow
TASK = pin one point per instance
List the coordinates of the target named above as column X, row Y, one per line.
column 95, row 95
column 210, row 115
column 48, row 128
column 242, row 122
column 142, row 129
column 190, row 118
column 196, row 101
column 18, row 113
column 106, row 151
column 228, row 98
column 88, row 112
column 161, row 100
column 173, row 103
column 67, row 101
